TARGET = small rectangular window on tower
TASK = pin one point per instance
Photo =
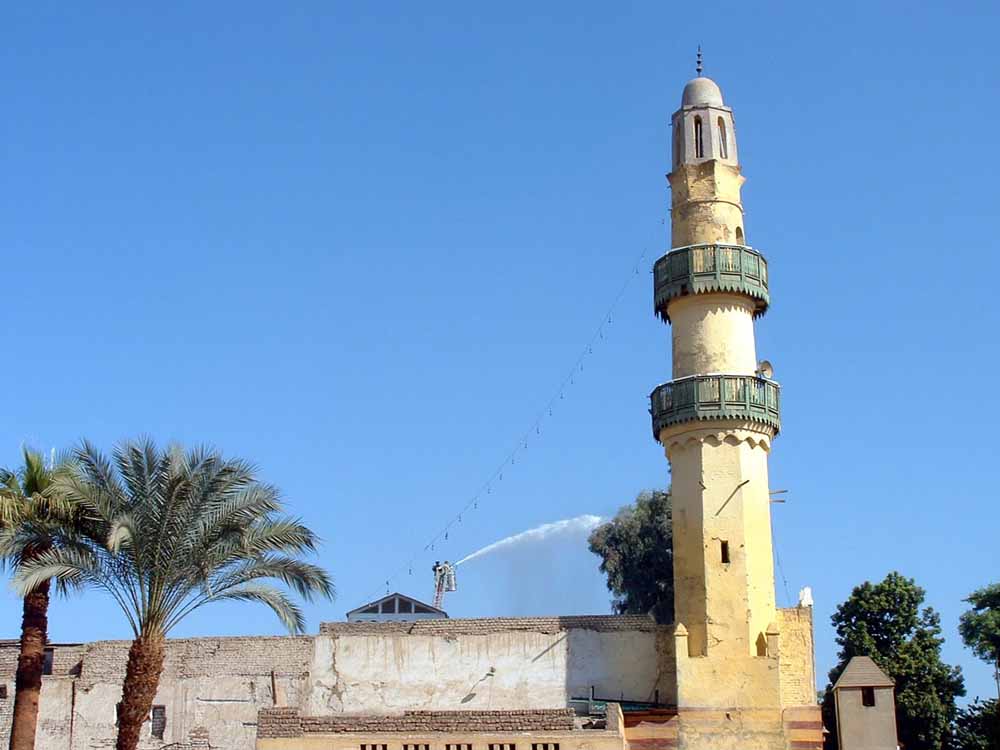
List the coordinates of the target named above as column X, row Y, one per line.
column 868, row 697
column 158, row 722
column 725, row 552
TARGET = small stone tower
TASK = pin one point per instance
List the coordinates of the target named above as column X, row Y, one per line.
column 716, row 419
column 866, row 707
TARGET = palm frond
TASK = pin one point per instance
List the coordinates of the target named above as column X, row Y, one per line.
column 287, row 611
column 288, row 535
column 165, row 532
column 73, row 565
column 122, row 532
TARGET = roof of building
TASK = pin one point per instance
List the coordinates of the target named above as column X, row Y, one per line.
column 701, row 90
column 487, row 625
column 286, row 722
column 396, row 595
column 861, row 672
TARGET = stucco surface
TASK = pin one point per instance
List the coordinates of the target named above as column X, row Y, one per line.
column 741, row 667
column 712, row 333
column 705, row 203
column 866, row 727
column 213, row 688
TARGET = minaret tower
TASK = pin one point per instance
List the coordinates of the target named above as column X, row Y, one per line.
column 717, row 417
column 743, row 669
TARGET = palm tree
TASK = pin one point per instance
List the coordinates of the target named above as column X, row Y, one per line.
column 31, row 513
column 172, row 532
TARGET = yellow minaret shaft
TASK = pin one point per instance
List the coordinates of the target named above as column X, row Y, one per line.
column 744, row 669
column 715, row 419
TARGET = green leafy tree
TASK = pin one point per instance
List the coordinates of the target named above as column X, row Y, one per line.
column 31, row 514
column 980, row 627
column 887, row 622
column 977, row 726
column 172, row 531
column 636, row 551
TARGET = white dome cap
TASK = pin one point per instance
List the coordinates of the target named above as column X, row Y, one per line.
column 702, row 91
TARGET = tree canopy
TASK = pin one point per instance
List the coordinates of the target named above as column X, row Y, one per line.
column 636, row 551
column 980, row 627
column 886, row 621
column 32, row 514
column 168, row 532
column 977, row 726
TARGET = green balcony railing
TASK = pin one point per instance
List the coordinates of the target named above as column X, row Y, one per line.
column 701, row 397
column 699, row 269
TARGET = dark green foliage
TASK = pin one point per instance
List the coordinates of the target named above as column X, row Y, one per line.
column 977, row 727
column 636, row 551
column 887, row 622
column 980, row 627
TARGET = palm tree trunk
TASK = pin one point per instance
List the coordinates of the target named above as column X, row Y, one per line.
column 30, row 665
column 142, row 677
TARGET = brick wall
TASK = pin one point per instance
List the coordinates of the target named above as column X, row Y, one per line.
column 797, row 671
column 105, row 661
column 286, row 722
column 486, row 625
column 8, row 668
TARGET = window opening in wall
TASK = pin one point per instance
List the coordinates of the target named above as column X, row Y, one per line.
column 725, row 552
column 699, row 150
column 3, row 692
column 416, row 747
column 868, row 696
column 459, row 746
column 677, row 144
column 502, row 746
column 544, row 746
column 374, row 747
column 761, row 645
column 47, row 663
column 159, row 721
column 739, row 235
column 723, row 141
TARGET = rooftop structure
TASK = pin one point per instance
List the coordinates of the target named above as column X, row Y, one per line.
column 395, row 607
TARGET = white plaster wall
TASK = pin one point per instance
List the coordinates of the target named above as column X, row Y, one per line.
column 224, row 706
column 505, row 670
column 390, row 673
column 619, row 665
column 52, row 730
column 213, row 688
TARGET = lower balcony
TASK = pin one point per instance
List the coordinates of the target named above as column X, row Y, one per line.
column 708, row 397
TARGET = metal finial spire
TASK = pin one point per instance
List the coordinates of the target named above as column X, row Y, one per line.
column 699, row 67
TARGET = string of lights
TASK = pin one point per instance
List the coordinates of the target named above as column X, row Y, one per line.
column 534, row 430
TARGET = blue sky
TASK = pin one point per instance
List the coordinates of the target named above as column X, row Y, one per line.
column 362, row 246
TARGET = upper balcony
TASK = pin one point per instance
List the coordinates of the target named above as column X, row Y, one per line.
column 703, row 397
column 701, row 269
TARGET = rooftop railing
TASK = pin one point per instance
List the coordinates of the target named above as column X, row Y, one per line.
column 706, row 397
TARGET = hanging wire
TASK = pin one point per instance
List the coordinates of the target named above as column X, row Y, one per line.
column 777, row 560
column 522, row 443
